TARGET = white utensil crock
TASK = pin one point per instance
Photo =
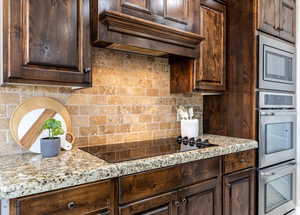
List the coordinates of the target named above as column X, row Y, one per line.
column 190, row 128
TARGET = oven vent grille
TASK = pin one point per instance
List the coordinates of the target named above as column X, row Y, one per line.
column 279, row 100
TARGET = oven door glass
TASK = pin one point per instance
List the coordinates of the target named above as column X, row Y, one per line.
column 278, row 65
column 277, row 186
column 278, row 192
column 277, row 137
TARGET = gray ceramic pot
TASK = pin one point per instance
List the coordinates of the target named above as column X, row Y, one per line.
column 50, row 147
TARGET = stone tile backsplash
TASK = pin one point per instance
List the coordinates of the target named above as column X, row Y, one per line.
column 130, row 101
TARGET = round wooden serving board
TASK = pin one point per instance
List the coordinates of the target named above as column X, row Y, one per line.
column 27, row 120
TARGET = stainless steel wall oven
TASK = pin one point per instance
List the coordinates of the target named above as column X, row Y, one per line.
column 277, row 126
column 277, row 189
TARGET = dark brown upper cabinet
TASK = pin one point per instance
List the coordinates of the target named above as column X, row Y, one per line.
column 278, row 17
column 211, row 66
column 153, row 27
column 47, row 42
column 208, row 72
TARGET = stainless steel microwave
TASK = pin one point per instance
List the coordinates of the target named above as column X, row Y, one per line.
column 277, row 64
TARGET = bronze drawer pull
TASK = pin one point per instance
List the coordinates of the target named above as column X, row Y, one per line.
column 104, row 212
column 184, row 201
column 177, row 203
column 72, row 205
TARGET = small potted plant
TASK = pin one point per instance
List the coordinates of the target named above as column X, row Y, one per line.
column 50, row 146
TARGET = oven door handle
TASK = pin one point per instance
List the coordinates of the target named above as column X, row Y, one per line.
column 267, row 174
column 267, row 114
column 288, row 167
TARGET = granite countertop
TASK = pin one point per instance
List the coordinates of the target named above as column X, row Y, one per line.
column 26, row 174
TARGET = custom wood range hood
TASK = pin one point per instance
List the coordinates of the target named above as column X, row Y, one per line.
column 159, row 28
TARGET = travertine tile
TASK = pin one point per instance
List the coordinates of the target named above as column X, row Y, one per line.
column 130, row 100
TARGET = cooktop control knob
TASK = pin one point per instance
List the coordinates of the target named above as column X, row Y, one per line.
column 192, row 142
column 185, row 140
column 179, row 140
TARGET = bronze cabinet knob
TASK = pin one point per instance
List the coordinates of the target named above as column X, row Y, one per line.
column 72, row 205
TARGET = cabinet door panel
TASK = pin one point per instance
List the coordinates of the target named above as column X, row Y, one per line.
column 43, row 39
column 288, row 20
column 158, row 205
column 201, row 199
column 268, row 16
column 49, row 43
column 239, row 193
column 94, row 198
column 177, row 10
column 210, row 74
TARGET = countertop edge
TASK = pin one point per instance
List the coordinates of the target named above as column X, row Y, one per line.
column 110, row 171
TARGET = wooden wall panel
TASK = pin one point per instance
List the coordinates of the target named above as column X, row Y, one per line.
column 236, row 109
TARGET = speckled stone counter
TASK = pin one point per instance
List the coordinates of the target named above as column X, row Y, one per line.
column 22, row 175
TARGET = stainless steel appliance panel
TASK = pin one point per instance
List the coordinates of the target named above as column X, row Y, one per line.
column 277, row 186
column 277, row 64
column 276, row 100
column 277, row 136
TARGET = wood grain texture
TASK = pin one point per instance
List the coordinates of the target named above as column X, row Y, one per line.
column 33, row 133
column 154, row 15
column 47, row 42
column 268, row 16
column 239, row 193
column 138, row 27
column 278, row 17
column 143, row 185
column 157, row 205
column 182, row 74
column 87, row 199
column 215, row 114
column 238, row 116
column 239, row 161
column 202, row 198
column 177, row 10
column 288, row 20
column 211, row 66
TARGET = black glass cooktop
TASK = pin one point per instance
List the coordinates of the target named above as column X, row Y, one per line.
column 114, row 153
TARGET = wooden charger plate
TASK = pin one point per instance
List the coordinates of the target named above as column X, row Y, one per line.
column 27, row 120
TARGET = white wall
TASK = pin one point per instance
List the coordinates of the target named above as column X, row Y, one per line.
column 298, row 100
column 1, row 36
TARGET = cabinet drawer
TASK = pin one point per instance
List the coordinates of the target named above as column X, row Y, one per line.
column 95, row 198
column 143, row 185
column 239, row 161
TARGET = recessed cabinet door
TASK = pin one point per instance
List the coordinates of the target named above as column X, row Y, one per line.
column 48, row 42
column 157, row 205
column 288, row 20
column 210, row 68
column 201, row 199
column 269, row 19
column 239, row 193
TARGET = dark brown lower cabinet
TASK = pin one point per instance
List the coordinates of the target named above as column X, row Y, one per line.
column 90, row 199
column 159, row 205
column 239, row 193
column 200, row 199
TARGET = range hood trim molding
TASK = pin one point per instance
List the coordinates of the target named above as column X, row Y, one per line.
column 126, row 24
